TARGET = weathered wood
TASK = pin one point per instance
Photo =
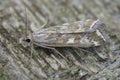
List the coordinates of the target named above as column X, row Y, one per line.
column 79, row 63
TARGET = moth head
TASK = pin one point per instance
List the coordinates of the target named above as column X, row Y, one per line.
column 26, row 39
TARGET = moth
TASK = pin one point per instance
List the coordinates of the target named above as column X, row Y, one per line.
column 76, row 34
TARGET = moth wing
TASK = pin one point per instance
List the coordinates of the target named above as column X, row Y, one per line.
column 75, row 27
column 69, row 39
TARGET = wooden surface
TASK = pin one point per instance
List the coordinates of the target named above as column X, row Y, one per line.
column 101, row 63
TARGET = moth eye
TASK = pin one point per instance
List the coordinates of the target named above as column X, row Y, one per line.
column 26, row 40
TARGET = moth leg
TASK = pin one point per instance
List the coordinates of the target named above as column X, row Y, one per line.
column 83, row 50
column 32, row 50
column 46, row 24
column 59, row 54
column 55, row 51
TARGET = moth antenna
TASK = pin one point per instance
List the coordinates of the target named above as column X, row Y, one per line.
column 29, row 32
column 26, row 24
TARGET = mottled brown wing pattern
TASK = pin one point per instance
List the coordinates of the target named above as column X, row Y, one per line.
column 77, row 34
column 74, row 27
column 69, row 39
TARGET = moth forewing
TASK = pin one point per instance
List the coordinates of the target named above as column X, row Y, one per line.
column 70, row 35
column 75, row 27
column 69, row 39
